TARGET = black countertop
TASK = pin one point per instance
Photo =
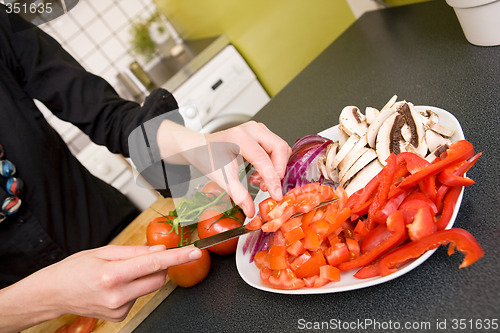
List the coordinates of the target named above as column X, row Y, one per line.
column 418, row 52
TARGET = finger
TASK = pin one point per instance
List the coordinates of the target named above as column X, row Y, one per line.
column 278, row 149
column 145, row 285
column 118, row 252
column 153, row 262
column 264, row 166
column 242, row 198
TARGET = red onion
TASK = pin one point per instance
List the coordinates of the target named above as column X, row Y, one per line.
column 302, row 167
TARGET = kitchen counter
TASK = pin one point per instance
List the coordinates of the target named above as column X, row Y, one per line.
column 171, row 72
column 418, row 52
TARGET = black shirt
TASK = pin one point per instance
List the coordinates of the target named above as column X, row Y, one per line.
column 64, row 208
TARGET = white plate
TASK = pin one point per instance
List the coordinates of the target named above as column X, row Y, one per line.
column 251, row 275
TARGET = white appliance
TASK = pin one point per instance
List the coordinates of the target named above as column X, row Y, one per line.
column 222, row 94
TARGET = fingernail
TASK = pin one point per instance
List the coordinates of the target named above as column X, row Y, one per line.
column 157, row 248
column 277, row 192
column 195, row 254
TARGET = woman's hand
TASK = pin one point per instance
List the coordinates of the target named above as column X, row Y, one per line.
column 102, row 283
column 266, row 151
column 218, row 156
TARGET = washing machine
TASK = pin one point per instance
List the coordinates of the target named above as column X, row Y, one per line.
column 223, row 93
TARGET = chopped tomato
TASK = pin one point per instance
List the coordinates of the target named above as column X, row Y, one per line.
column 337, row 253
column 353, row 247
column 296, row 248
column 311, row 240
column 261, row 258
column 277, row 259
column 294, row 235
column 265, row 207
column 311, row 266
column 255, row 224
column 329, row 272
column 286, row 279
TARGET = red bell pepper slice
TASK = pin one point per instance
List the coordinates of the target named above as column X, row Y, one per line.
column 417, row 200
column 458, row 151
column 463, row 241
column 449, row 202
column 374, row 238
column 414, row 163
column 396, row 225
column 360, row 201
column 390, row 207
column 453, row 175
column 368, row 271
column 423, row 224
column 383, row 190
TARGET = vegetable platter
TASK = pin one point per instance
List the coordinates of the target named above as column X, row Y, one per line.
column 406, row 261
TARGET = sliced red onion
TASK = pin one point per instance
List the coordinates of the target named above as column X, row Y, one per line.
column 304, row 156
column 250, row 241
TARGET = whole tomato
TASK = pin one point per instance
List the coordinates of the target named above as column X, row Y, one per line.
column 161, row 231
column 213, row 189
column 213, row 222
column 191, row 273
column 79, row 325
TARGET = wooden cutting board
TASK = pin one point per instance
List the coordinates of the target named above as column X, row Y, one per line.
column 134, row 234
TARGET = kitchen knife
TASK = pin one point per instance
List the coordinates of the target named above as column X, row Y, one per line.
column 236, row 232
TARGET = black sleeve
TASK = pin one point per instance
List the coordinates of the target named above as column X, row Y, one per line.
column 48, row 73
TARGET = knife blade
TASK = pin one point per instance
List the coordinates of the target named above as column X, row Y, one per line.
column 239, row 231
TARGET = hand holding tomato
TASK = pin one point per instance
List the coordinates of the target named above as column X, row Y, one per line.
column 191, row 273
column 100, row 283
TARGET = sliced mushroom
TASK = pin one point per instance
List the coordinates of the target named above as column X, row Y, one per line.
column 406, row 132
column 322, row 166
column 353, row 154
column 331, row 152
column 384, row 138
column 390, row 103
column 363, row 177
column 429, row 117
column 344, row 150
column 435, row 140
column 363, row 161
column 353, row 121
column 371, row 114
column 444, row 131
column 352, row 159
column 343, row 136
column 374, row 128
column 418, row 137
column 436, row 152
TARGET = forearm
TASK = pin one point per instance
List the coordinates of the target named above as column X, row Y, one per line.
column 175, row 142
column 23, row 305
